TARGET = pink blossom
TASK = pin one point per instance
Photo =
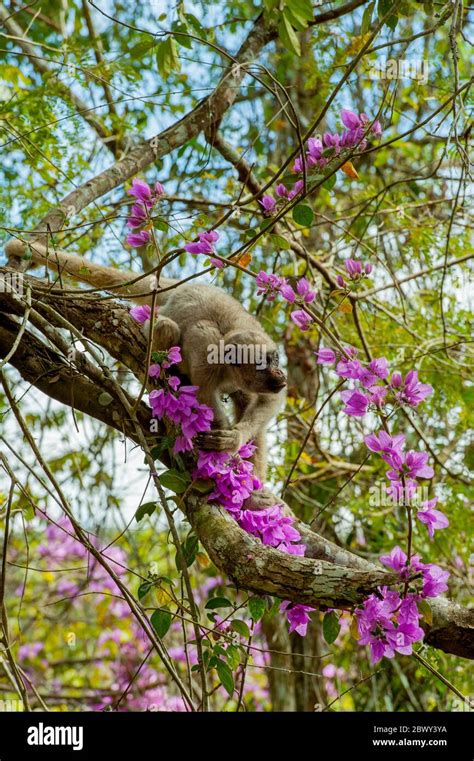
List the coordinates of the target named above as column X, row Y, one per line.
column 141, row 313
column 325, row 356
column 268, row 203
column 138, row 239
column 434, row 581
column 269, row 285
column 356, row 403
column 297, row 615
column 301, row 319
column 434, row 519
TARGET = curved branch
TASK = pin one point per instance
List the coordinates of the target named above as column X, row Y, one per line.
column 329, row 575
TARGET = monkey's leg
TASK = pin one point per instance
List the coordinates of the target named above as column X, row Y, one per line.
column 166, row 333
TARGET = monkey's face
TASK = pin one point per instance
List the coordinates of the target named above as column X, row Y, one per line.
column 262, row 377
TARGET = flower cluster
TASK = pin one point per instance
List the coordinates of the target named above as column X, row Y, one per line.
column 270, row 285
column 205, row 245
column 234, row 482
column 270, row 204
column 355, row 271
column 320, row 151
column 146, row 198
column 179, row 405
column 376, row 389
column 389, row 624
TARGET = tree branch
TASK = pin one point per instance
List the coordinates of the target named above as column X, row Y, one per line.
column 329, row 575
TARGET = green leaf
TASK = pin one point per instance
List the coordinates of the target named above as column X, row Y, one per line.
column 240, row 627
column 144, row 588
column 280, row 242
column 256, row 608
column 218, row 602
column 288, row 36
column 303, row 8
column 225, row 676
column 303, row 215
column 148, row 508
column 392, row 22
column 175, row 481
column 167, row 58
column 161, row 620
column 330, row 182
column 295, row 19
column 331, row 627
column 160, row 224
column 367, row 18
column 234, row 656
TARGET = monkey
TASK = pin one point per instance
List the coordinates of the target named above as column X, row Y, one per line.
column 202, row 320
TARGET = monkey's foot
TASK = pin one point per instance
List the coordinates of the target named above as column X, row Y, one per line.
column 261, row 499
column 220, row 440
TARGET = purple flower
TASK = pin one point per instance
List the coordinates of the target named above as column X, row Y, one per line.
column 297, row 615
column 141, row 191
column 205, row 245
column 298, row 165
column 350, row 119
column 368, row 268
column 288, row 293
column 141, row 313
column 332, row 141
column 384, row 444
column 325, row 356
column 349, row 368
column 340, row 281
column 379, row 367
column 268, row 285
column 376, row 128
column 281, row 190
column 434, row 581
column 434, row 519
column 270, row 525
column 296, row 189
column 315, row 148
column 144, row 194
column 411, row 465
column 356, row 403
column 268, row 203
column 301, row 319
column 138, row 239
column 154, row 370
column 353, row 267
column 410, row 391
column 304, row 290
column 397, row 560
column 137, row 216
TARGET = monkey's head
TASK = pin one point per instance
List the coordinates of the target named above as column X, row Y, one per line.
column 252, row 359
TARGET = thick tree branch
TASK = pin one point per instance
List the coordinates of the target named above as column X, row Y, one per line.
column 329, row 575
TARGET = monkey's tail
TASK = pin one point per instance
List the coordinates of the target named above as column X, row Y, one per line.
column 124, row 283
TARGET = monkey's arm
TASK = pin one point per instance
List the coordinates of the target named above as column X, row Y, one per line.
column 99, row 276
column 252, row 422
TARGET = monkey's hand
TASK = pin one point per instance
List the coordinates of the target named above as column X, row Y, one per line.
column 221, row 440
column 261, row 499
